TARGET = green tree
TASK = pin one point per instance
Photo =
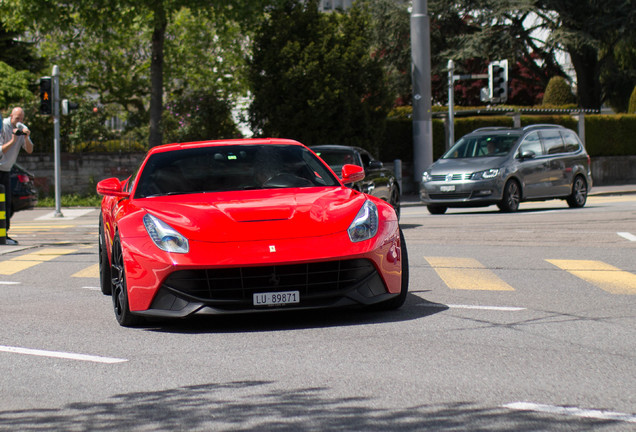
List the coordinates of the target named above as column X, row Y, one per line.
column 140, row 25
column 14, row 85
column 588, row 30
column 196, row 116
column 313, row 78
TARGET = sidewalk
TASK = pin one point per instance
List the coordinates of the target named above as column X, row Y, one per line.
column 411, row 200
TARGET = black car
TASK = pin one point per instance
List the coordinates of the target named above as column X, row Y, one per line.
column 24, row 196
column 378, row 180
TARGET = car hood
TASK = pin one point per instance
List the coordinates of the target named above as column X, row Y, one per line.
column 258, row 215
column 469, row 165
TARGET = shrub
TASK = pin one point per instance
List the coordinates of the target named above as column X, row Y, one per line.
column 558, row 92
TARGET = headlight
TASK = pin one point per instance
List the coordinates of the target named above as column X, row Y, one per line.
column 488, row 174
column 365, row 224
column 164, row 236
column 426, row 176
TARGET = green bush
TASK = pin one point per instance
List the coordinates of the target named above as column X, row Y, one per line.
column 558, row 92
column 610, row 135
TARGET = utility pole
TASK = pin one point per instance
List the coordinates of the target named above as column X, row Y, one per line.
column 421, row 76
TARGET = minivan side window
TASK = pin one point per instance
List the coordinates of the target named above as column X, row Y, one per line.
column 531, row 143
column 552, row 142
column 572, row 143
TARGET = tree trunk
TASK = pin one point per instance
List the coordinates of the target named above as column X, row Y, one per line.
column 587, row 67
column 156, row 75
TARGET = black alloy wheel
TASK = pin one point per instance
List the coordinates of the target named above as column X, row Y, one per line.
column 120, row 291
column 395, row 200
column 105, row 282
column 511, row 197
column 578, row 197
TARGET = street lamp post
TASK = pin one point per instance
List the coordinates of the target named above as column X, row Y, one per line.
column 421, row 75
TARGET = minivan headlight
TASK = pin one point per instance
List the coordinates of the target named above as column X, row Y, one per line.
column 365, row 224
column 426, row 176
column 485, row 175
column 164, row 236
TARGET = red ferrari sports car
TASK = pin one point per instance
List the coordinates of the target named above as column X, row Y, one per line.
column 239, row 226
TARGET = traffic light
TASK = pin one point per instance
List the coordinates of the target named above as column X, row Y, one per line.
column 498, row 81
column 68, row 106
column 46, row 96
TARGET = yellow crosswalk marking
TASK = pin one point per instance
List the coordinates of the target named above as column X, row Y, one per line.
column 604, row 276
column 467, row 274
column 88, row 272
column 23, row 262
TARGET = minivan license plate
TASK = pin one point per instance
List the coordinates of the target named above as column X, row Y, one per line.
column 276, row 298
column 450, row 188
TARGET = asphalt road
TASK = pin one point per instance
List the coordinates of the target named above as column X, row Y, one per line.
column 514, row 322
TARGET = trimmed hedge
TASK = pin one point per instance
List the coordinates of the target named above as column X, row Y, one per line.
column 605, row 135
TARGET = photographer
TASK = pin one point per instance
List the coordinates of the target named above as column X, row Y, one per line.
column 14, row 135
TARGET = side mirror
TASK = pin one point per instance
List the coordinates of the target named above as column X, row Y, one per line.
column 352, row 173
column 112, row 187
column 374, row 164
column 528, row 154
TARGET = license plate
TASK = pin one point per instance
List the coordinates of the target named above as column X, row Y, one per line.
column 447, row 188
column 276, row 298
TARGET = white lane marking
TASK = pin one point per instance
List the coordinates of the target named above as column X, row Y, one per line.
column 572, row 411
column 62, row 355
column 9, row 283
column 92, row 288
column 475, row 307
column 67, row 214
column 628, row 236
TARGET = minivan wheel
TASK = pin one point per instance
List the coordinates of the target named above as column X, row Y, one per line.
column 511, row 197
column 436, row 209
column 579, row 193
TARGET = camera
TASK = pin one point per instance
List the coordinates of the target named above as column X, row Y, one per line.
column 19, row 130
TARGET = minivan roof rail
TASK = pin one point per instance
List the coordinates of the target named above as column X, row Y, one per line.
column 492, row 128
column 541, row 126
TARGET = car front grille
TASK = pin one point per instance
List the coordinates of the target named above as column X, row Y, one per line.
column 237, row 285
column 455, row 177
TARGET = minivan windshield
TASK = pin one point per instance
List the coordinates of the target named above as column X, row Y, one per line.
column 482, row 145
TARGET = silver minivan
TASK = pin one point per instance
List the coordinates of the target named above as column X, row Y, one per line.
column 505, row 166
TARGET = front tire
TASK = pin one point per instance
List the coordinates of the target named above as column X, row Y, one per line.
column 511, row 197
column 105, row 282
column 436, row 209
column 120, row 291
column 578, row 198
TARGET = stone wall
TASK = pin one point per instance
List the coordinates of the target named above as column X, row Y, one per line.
column 80, row 172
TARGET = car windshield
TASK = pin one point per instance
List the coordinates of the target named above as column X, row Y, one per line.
column 336, row 158
column 472, row 146
column 232, row 168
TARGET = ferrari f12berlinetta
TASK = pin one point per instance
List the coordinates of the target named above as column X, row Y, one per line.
column 238, row 226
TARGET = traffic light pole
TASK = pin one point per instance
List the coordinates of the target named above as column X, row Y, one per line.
column 56, row 139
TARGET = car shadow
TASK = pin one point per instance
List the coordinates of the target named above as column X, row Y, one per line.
column 282, row 320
